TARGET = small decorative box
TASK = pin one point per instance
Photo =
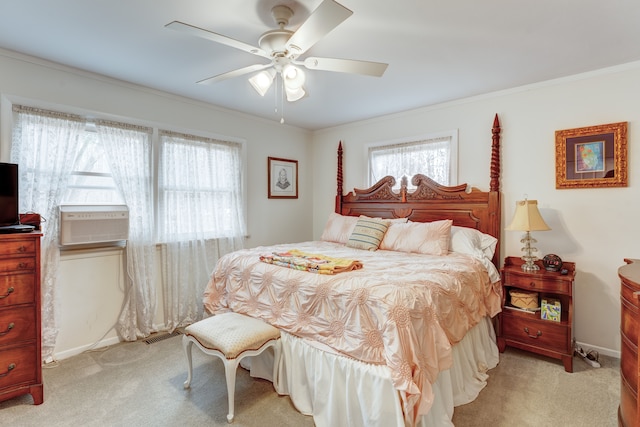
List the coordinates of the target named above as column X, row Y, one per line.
column 551, row 309
column 523, row 299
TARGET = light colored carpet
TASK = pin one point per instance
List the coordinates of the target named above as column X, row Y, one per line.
column 136, row 384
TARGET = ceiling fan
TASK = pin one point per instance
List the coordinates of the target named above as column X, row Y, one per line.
column 283, row 48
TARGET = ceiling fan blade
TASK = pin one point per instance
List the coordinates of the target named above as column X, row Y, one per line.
column 234, row 73
column 218, row 38
column 325, row 18
column 368, row 68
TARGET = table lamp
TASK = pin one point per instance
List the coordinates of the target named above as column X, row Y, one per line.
column 527, row 218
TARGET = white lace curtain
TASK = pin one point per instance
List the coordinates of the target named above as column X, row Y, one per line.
column 128, row 150
column 430, row 157
column 44, row 144
column 200, row 218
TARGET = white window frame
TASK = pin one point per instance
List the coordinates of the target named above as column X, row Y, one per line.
column 453, row 152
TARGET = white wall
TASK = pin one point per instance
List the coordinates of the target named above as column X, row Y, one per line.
column 596, row 228
column 90, row 291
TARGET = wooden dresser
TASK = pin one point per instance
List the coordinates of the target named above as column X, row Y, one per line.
column 629, row 329
column 20, row 335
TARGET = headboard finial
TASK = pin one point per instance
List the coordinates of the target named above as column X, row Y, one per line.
column 495, row 156
column 339, row 180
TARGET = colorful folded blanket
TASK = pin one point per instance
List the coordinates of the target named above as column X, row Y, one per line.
column 313, row 263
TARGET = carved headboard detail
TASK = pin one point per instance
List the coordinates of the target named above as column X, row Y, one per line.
column 430, row 201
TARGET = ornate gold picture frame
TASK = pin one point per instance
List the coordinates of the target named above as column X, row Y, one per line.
column 591, row 157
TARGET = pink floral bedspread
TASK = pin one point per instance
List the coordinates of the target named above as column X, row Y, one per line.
column 402, row 310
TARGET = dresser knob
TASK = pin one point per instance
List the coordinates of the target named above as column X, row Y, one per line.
column 10, row 368
column 22, row 249
column 9, row 328
column 23, row 265
column 9, row 292
column 532, row 284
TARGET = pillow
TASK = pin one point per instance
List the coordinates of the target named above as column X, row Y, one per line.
column 431, row 238
column 473, row 242
column 368, row 233
column 338, row 228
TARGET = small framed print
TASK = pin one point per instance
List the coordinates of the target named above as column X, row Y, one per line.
column 592, row 157
column 282, row 178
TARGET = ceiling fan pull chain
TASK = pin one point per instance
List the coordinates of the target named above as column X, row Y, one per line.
column 282, row 100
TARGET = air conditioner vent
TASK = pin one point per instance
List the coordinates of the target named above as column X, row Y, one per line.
column 91, row 224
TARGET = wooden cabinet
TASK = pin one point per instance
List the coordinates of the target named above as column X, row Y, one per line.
column 20, row 336
column 527, row 330
column 629, row 328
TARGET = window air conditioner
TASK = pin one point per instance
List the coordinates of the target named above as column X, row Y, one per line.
column 91, row 224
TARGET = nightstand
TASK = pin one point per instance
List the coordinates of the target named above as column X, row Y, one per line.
column 527, row 330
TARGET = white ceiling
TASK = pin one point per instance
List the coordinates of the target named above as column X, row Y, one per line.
column 437, row 50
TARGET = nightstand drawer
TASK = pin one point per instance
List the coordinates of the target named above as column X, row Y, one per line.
column 537, row 284
column 540, row 333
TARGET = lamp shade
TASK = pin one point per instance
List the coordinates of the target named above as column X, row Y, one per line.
column 527, row 217
column 262, row 81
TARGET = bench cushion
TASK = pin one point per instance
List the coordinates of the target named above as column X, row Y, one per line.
column 232, row 333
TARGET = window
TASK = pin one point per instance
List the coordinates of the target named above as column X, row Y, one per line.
column 199, row 188
column 91, row 181
column 434, row 156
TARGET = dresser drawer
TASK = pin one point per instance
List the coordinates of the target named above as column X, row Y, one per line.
column 18, row 247
column 538, row 284
column 27, row 263
column 17, row 289
column 540, row 333
column 17, row 325
column 18, row 365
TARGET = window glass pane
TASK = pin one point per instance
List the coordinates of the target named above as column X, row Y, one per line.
column 91, row 181
column 199, row 189
column 428, row 157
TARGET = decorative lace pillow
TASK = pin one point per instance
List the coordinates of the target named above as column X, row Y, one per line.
column 431, row 238
column 368, row 233
column 338, row 228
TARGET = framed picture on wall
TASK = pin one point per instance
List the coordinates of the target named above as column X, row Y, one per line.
column 591, row 157
column 282, row 178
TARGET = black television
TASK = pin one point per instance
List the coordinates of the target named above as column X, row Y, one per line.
column 9, row 217
column 9, row 194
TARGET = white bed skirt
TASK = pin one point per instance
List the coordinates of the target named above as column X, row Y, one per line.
column 338, row 391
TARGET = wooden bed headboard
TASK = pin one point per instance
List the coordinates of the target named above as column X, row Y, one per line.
column 430, row 201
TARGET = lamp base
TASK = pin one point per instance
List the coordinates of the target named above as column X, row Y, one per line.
column 530, row 266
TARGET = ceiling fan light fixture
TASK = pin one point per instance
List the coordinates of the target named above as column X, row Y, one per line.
column 262, row 81
column 293, row 77
column 294, row 94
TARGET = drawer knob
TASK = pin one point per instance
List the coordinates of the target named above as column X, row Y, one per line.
column 23, row 265
column 9, row 292
column 10, row 368
column 22, row 248
column 532, row 284
column 535, row 337
column 9, row 328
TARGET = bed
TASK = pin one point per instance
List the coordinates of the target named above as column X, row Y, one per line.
column 402, row 334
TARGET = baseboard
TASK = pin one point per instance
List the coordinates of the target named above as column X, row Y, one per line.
column 78, row 350
column 604, row 351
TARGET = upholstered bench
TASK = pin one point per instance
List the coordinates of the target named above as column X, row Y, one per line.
column 231, row 337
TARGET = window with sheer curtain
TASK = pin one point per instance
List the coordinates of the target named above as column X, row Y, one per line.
column 433, row 155
column 199, row 188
